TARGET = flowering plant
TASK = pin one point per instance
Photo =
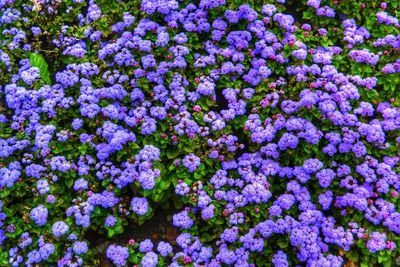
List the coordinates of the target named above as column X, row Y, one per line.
column 272, row 127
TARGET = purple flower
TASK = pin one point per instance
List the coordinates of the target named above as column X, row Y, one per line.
column 268, row 10
column 139, row 206
column 80, row 184
column 285, row 201
column 80, row 247
column 182, row 189
column 191, row 162
column 46, row 250
column 30, row 75
column 376, row 242
column 325, row 200
column 164, row 248
column 59, row 228
column 150, row 259
column 42, row 186
column 77, row 124
column 36, row 31
column 182, row 220
column 312, row 165
column 325, row 177
column 51, row 199
column 230, row 235
column 39, row 215
column 117, row 254
column 280, row 259
column 146, row 246
column 110, row 221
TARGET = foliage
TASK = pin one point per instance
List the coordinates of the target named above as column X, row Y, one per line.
column 271, row 126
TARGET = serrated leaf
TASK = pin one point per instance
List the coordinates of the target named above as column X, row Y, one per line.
column 172, row 153
column 38, row 61
column 111, row 233
column 69, row 182
column 387, row 263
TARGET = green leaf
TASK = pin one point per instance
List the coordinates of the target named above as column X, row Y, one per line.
column 147, row 193
column 172, row 153
column 133, row 258
column 163, row 185
column 111, row 233
column 67, row 59
column 83, row 149
column 283, row 243
column 38, row 61
column 157, row 196
column 387, row 263
column 69, row 181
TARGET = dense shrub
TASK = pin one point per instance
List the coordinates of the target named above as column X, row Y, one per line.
column 271, row 127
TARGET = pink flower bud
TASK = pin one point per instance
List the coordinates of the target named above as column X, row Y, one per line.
column 390, row 245
column 197, row 108
column 187, row 260
column 225, row 213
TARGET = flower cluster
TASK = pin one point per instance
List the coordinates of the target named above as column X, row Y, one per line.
column 272, row 130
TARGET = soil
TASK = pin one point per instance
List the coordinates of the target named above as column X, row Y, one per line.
column 157, row 229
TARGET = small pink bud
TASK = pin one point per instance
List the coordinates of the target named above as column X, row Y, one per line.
column 197, row 108
column 225, row 213
column 187, row 260
column 390, row 245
